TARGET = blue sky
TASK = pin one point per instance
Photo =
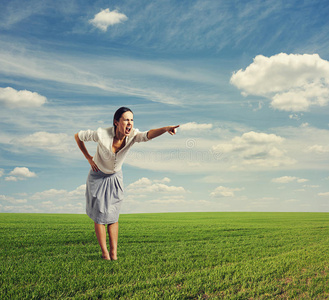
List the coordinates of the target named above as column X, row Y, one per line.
column 247, row 80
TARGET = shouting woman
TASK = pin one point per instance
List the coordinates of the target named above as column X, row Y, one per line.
column 104, row 189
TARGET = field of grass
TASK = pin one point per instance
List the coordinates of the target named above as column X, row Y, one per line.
column 167, row 256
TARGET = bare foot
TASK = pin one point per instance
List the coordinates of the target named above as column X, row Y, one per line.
column 106, row 257
column 113, row 256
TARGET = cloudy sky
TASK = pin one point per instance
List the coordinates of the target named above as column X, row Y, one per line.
column 248, row 81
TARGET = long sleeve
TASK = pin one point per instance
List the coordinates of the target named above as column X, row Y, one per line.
column 88, row 135
column 140, row 136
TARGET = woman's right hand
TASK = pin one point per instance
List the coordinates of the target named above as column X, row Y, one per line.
column 93, row 164
column 84, row 150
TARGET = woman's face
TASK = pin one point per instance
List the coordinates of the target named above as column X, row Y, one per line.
column 126, row 123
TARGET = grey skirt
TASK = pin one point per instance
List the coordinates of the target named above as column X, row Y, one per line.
column 104, row 195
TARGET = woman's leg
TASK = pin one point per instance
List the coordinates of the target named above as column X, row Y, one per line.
column 113, row 231
column 101, row 237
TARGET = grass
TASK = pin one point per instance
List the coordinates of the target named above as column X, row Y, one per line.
column 167, row 256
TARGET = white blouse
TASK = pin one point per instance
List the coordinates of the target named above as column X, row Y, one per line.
column 106, row 160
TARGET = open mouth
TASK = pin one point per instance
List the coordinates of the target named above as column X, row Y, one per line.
column 128, row 129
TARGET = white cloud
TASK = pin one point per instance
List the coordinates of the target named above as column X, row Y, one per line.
column 318, row 149
column 53, row 142
column 51, row 193
column 22, row 172
column 287, row 179
column 147, row 186
column 295, row 116
column 12, row 199
column 20, row 209
column 254, row 148
column 2, row 171
column 301, row 180
column 13, row 98
column 140, row 183
column 284, row 179
column 170, row 200
column 19, row 201
column 226, row 151
column 299, row 142
column 213, row 179
column 223, row 191
column 292, row 201
column 259, row 138
column 61, row 195
column 249, row 140
column 161, row 188
column 52, row 200
column 11, row 178
column 293, row 82
column 250, row 151
column 79, row 191
column 47, row 203
column 164, row 180
column 143, row 194
column 106, row 18
column 326, row 194
column 195, row 126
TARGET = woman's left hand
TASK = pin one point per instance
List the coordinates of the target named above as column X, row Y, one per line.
column 172, row 129
column 153, row 133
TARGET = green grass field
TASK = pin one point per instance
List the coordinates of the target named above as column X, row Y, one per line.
column 167, row 256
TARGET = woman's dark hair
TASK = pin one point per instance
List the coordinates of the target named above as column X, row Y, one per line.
column 118, row 115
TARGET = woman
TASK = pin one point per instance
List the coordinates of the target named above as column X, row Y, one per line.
column 104, row 189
